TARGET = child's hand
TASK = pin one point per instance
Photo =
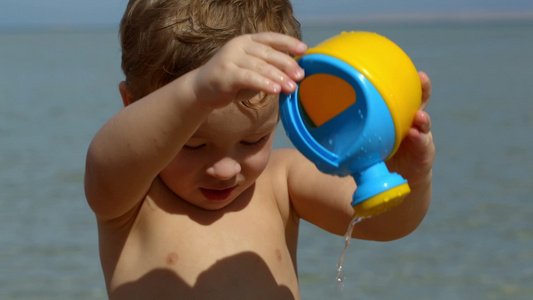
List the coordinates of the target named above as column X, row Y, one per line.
column 414, row 159
column 249, row 64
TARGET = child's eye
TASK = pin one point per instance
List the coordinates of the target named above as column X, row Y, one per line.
column 257, row 142
column 193, row 148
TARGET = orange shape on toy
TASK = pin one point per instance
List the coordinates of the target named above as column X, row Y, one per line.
column 324, row 96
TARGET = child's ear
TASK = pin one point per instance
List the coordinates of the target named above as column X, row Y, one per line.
column 126, row 95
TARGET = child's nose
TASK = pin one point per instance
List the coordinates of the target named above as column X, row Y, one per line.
column 224, row 169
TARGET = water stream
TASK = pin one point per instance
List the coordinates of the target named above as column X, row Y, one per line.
column 339, row 278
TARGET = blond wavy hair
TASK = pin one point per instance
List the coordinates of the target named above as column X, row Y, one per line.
column 164, row 39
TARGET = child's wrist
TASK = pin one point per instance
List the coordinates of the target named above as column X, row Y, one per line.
column 190, row 80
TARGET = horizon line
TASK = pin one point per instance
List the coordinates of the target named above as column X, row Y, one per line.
column 421, row 17
column 318, row 20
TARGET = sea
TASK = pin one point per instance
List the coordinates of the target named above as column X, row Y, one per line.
column 58, row 87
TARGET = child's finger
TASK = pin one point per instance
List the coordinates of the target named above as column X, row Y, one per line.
column 280, row 42
column 421, row 146
column 422, row 121
column 273, row 47
column 426, row 89
column 257, row 68
column 270, row 56
column 254, row 81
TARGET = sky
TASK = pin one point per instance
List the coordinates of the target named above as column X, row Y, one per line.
column 102, row 13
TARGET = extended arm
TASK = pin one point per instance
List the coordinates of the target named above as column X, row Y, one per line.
column 325, row 200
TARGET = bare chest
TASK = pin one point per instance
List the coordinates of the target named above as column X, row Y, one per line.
column 238, row 254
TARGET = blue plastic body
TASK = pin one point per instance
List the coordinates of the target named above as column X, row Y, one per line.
column 356, row 141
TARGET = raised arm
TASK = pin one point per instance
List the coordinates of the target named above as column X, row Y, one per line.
column 136, row 144
column 130, row 150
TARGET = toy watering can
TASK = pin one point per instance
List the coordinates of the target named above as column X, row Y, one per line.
column 351, row 112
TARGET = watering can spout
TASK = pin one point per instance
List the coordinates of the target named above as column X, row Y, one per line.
column 378, row 190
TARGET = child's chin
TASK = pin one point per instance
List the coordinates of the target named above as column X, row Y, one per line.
column 212, row 205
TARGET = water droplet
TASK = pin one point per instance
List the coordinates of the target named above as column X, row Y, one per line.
column 360, row 112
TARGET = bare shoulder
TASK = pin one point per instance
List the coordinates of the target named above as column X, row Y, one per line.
column 284, row 157
column 297, row 169
column 287, row 164
column 276, row 179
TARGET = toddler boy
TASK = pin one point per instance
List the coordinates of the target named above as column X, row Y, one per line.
column 191, row 201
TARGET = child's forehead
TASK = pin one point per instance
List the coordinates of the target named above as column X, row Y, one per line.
column 238, row 119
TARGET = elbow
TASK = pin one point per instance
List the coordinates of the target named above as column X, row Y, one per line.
column 397, row 233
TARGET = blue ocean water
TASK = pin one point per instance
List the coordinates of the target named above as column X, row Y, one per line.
column 58, row 87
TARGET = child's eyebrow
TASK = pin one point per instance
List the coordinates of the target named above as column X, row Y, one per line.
column 265, row 127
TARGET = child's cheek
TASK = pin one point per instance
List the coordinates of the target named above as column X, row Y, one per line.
column 183, row 163
column 259, row 161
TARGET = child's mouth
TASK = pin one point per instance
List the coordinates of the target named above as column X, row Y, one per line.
column 217, row 195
